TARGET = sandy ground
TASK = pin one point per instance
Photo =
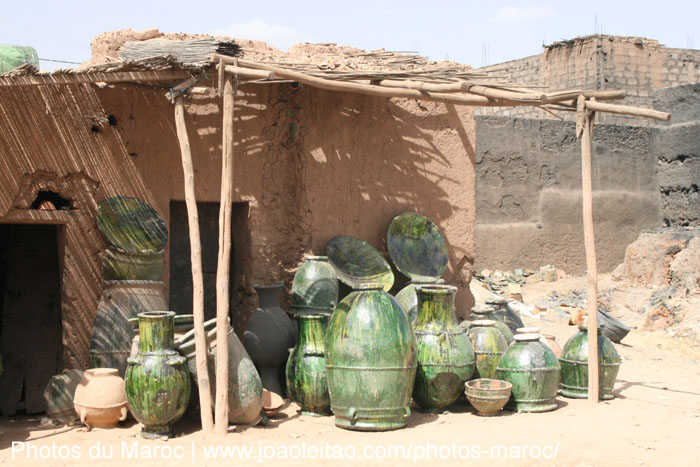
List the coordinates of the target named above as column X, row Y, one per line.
column 654, row 420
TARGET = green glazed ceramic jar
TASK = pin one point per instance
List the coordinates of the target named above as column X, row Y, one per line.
column 489, row 346
column 445, row 356
column 505, row 313
column 307, row 382
column 489, row 314
column 315, row 287
column 370, row 361
column 574, row 366
column 157, row 379
column 533, row 370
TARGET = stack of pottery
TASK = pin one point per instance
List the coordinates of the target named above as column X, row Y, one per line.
column 505, row 313
column 100, row 399
column 445, row 356
column 157, row 379
column 315, row 287
column 268, row 337
column 132, row 269
column 418, row 250
column 533, row 370
column 370, row 361
column 59, row 394
column 489, row 346
column 574, row 365
column 488, row 313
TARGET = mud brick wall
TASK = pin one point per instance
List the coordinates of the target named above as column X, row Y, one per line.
column 639, row 66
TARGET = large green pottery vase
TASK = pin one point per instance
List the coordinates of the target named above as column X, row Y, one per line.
column 315, row 287
column 408, row 299
column 489, row 346
column 12, row 56
column 505, row 313
column 533, row 370
column 445, row 356
column 370, row 361
column 489, row 314
column 307, row 382
column 574, row 366
column 119, row 264
column 157, row 379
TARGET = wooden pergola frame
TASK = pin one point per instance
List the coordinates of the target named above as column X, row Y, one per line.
column 457, row 91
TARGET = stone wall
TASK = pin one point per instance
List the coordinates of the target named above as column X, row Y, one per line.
column 639, row 66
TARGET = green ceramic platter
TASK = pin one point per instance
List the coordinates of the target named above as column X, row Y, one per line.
column 417, row 247
column 357, row 262
column 131, row 224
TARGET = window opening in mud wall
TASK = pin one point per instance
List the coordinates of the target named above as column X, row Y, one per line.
column 30, row 315
column 181, row 266
column 51, row 201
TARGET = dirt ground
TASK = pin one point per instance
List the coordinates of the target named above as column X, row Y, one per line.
column 654, row 420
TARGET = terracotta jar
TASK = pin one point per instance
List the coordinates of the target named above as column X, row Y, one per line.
column 445, row 356
column 307, row 381
column 100, row 400
column 548, row 339
column 315, row 287
column 157, row 379
column 59, row 394
column 370, row 361
column 489, row 313
column 268, row 336
column 533, row 370
column 489, row 346
column 574, row 366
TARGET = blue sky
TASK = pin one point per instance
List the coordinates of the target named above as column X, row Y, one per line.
column 470, row 32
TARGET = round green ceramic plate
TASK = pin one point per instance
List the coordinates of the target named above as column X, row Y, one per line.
column 131, row 224
column 417, row 247
column 357, row 262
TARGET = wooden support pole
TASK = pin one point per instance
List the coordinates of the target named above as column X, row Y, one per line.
column 223, row 264
column 628, row 110
column 586, row 117
column 200, row 344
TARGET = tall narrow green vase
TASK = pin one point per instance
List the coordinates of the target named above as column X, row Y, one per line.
column 307, row 382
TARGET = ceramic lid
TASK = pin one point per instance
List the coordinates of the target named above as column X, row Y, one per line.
column 526, row 337
column 131, row 224
column 528, row 330
column 483, row 323
column 357, row 262
column 417, row 247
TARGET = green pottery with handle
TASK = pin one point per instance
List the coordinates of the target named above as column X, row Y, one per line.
column 157, row 379
column 574, row 366
column 370, row 361
column 445, row 355
column 533, row 370
column 307, row 382
column 489, row 346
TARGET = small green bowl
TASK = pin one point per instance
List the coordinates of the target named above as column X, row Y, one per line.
column 487, row 396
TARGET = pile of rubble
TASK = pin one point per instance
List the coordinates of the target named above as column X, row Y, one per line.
column 508, row 283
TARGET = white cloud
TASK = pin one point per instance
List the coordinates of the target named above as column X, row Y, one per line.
column 276, row 35
column 512, row 14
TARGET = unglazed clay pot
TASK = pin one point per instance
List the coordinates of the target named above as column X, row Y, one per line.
column 268, row 336
column 59, row 394
column 100, row 400
column 574, row 366
column 445, row 356
column 489, row 346
column 370, row 361
column 315, row 287
column 157, row 379
column 307, row 381
column 533, row 370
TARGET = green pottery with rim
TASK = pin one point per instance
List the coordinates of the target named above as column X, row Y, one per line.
column 533, row 370
column 505, row 313
column 157, row 379
column 356, row 262
column 445, row 356
column 489, row 314
column 315, row 287
column 574, row 366
column 307, row 382
column 487, row 396
column 489, row 346
column 408, row 299
column 370, row 361
column 417, row 247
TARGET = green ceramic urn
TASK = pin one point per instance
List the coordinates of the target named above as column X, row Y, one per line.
column 315, row 287
column 445, row 356
column 490, row 314
column 370, row 361
column 306, row 367
column 533, row 370
column 157, row 379
column 489, row 346
column 574, row 366
column 505, row 313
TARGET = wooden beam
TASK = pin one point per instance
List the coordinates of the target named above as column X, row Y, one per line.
column 200, row 343
column 93, row 77
column 552, row 97
column 223, row 264
column 248, row 73
column 587, row 118
column 627, row 110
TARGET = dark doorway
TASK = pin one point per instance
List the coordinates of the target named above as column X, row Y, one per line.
column 30, row 315
column 180, row 262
